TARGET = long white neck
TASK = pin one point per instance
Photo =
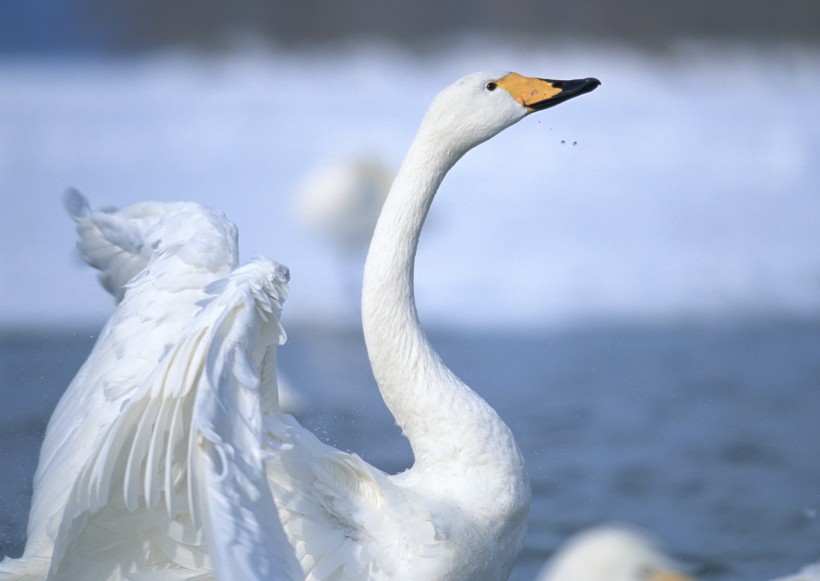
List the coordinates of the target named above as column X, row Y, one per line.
column 449, row 427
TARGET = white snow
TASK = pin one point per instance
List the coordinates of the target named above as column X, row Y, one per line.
column 687, row 185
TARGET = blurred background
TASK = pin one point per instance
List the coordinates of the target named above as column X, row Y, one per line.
column 632, row 279
column 127, row 27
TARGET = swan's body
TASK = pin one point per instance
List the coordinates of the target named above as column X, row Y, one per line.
column 151, row 485
column 610, row 553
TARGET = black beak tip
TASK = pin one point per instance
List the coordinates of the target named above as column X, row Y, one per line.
column 568, row 90
column 578, row 86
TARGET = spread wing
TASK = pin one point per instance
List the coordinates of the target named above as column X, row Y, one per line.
column 244, row 535
column 192, row 247
column 178, row 490
column 202, row 474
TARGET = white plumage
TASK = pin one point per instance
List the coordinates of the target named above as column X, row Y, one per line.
column 610, row 553
column 189, row 246
column 171, row 459
column 120, row 244
column 177, row 487
column 342, row 200
column 807, row 573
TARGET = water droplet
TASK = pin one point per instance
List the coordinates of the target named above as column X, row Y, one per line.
column 563, row 142
column 575, row 143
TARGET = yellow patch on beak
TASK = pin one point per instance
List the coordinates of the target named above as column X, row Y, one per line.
column 670, row 576
column 527, row 90
column 537, row 94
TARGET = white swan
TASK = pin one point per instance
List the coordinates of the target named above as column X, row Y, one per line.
column 175, row 470
column 807, row 573
column 342, row 200
column 610, row 553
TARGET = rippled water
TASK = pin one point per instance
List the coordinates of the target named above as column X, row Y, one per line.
column 705, row 435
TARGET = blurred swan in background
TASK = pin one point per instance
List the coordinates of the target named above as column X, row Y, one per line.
column 610, row 553
column 807, row 573
column 159, row 477
column 341, row 200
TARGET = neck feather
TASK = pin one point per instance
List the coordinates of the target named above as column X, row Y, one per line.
column 446, row 423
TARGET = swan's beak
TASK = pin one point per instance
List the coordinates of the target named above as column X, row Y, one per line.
column 670, row 576
column 537, row 94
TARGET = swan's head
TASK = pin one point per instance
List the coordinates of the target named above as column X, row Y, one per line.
column 478, row 106
column 611, row 553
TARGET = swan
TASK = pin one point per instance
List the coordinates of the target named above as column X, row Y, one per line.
column 198, row 471
column 342, row 200
column 807, row 573
column 610, row 553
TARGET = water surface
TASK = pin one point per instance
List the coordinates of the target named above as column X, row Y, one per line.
column 705, row 435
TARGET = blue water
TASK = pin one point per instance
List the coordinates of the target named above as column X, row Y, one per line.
column 704, row 434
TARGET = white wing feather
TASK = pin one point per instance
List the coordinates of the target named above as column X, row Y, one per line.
column 345, row 518
column 191, row 247
column 114, row 242
column 156, row 493
column 183, row 462
column 187, row 478
column 121, row 244
column 245, row 536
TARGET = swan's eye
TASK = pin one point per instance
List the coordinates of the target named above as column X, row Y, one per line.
column 491, row 86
